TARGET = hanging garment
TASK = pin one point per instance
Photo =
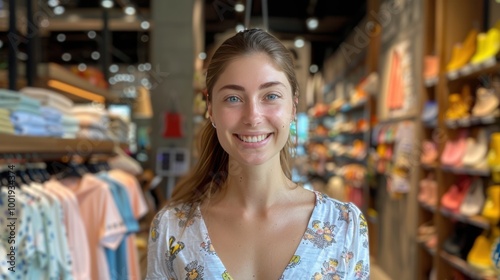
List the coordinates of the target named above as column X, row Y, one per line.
column 77, row 238
column 103, row 223
column 117, row 258
column 60, row 262
column 139, row 208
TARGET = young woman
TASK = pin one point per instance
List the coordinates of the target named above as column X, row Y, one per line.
column 238, row 215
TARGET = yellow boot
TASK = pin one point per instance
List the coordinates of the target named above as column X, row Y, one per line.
column 491, row 208
column 488, row 46
column 479, row 255
column 464, row 53
column 493, row 158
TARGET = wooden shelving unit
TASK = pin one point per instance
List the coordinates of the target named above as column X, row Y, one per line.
column 56, row 147
column 446, row 23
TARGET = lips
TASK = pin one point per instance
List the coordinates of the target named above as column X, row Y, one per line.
column 252, row 138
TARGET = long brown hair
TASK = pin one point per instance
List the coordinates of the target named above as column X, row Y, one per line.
column 211, row 169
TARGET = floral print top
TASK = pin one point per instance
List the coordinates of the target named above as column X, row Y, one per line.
column 334, row 245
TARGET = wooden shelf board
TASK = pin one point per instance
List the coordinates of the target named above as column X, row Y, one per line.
column 465, row 268
column 473, row 71
column 13, row 144
column 466, row 171
column 472, row 122
column 477, row 221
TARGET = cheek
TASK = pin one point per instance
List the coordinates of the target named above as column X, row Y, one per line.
column 281, row 117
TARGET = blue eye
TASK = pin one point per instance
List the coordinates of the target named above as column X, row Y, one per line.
column 272, row 96
column 232, row 99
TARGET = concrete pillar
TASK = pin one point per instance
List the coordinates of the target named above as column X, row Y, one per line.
column 172, row 60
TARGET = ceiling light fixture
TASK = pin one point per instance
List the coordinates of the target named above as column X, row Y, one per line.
column 240, row 27
column 107, row 4
column 145, row 25
column 113, row 68
column 59, row 10
column 61, row 37
column 239, row 7
column 66, row 57
column 313, row 68
column 53, row 3
column 129, row 10
column 312, row 23
column 95, row 55
column 91, row 34
column 299, row 42
column 82, row 67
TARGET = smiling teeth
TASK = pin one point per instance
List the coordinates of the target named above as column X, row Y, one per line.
column 252, row 139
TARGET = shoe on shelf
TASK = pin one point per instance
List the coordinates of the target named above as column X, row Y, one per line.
column 462, row 53
column 429, row 152
column 488, row 46
column 431, row 66
column 476, row 151
column 428, row 191
column 454, row 150
column 491, row 209
column 455, row 195
column 430, row 112
column 432, row 198
column 474, row 199
column 457, row 107
column 493, row 158
column 486, row 102
column 479, row 255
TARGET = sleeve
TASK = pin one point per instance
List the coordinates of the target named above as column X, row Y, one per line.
column 139, row 202
column 158, row 248
column 357, row 244
column 112, row 226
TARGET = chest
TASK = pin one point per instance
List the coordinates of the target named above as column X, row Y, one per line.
column 257, row 248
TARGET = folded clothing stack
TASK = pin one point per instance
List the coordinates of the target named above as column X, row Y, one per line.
column 53, row 118
column 14, row 101
column 56, row 109
column 26, row 123
column 70, row 126
column 25, row 113
column 49, row 98
column 6, row 126
column 93, row 120
column 118, row 127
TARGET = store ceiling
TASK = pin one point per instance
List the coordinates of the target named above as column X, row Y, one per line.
column 286, row 19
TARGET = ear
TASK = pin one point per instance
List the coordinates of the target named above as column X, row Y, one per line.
column 209, row 109
column 294, row 111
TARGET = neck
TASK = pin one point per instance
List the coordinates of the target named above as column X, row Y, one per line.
column 256, row 187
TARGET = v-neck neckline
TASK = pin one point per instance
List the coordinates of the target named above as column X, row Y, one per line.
column 204, row 230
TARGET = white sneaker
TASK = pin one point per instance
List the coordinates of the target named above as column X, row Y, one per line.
column 486, row 102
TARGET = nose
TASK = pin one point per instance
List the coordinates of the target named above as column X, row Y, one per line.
column 253, row 113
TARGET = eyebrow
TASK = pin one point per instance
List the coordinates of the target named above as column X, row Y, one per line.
column 263, row 86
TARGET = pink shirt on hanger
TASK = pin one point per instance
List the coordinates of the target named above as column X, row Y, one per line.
column 75, row 228
column 103, row 223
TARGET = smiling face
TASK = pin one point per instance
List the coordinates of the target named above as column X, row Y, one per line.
column 252, row 107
